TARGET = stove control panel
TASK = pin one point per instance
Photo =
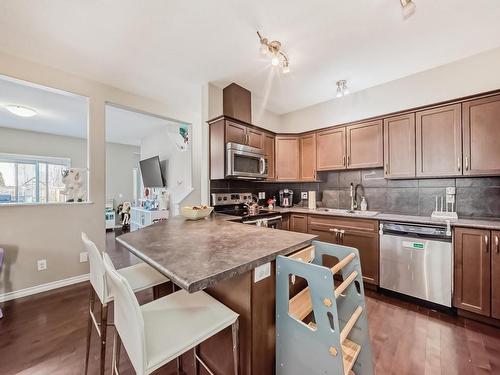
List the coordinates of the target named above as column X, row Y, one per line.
column 221, row 199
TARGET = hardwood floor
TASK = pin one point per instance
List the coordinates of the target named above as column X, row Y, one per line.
column 45, row 334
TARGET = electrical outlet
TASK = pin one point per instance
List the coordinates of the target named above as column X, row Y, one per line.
column 262, row 195
column 303, row 194
column 41, row 264
column 84, row 257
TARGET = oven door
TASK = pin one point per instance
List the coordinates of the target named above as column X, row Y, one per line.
column 245, row 162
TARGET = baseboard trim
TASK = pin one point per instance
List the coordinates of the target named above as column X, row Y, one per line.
column 43, row 288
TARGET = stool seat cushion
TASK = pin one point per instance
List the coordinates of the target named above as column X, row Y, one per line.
column 178, row 322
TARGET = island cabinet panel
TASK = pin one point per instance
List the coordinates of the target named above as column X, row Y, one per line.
column 472, row 271
column 399, row 146
column 439, row 141
column 481, row 128
column 495, row 274
column 331, row 149
column 298, row 223
column 269, row 152
column 285, row 222
column 361, row 234
column 287, row 158
column 365, row 145
column 236, row 133
column 308, row 157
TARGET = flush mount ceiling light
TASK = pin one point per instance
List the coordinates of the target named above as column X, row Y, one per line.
column 408, row 7
column 342, row 88
column 278, row 57
column 20, row 110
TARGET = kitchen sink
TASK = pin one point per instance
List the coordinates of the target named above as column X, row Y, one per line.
column 339, row 211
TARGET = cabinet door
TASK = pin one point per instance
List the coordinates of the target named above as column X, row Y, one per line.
column 368, row 248
column 481, row 127
column 472, row 270
column 287, row 158
column 236, row 133
column 439, row 141
column 331, row 149
column 255, row 138
column 298, row 223
column 269, row 152
column 399, row 146
column 308, row 158
column 495, row 274
column 365, row 145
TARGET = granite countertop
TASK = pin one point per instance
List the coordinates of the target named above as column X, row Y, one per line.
column 479, row 223
column 198, row 254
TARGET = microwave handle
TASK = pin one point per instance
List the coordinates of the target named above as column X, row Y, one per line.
column 262, row 163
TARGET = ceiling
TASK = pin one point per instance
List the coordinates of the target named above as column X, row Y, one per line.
column 63, row 113
column 166, row 49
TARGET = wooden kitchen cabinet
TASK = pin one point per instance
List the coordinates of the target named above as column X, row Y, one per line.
column 285, row 221
column 269, row 152
column 439, row 141
column 236, row 133
column 298, row 223
column 255, row 138
column 287, row 161
column 399, row 146
column 472, row 274
column 495, row 274
column 481, row 136
column 361, row 234
column 365, row 145
column 308, row 157
column 331, row 149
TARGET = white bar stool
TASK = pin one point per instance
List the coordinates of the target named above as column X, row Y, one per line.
column 158, row 332
column 140, row 277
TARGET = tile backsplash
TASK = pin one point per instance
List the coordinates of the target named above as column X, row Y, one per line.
column 475, row 196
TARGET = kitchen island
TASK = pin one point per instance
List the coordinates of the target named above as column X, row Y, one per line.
column 220, row 257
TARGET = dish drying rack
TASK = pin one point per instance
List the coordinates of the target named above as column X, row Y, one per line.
column 323, row 329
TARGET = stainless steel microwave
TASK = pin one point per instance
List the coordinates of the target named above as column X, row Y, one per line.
column 245, row 162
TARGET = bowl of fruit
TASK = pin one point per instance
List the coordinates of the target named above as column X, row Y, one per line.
column 196, row 212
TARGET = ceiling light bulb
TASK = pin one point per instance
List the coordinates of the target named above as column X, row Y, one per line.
column 286, row 69
column 346, row 90
column 264, row 49
column 19, row 110
column 275, row 61
column 409, row 7
column 339, row 92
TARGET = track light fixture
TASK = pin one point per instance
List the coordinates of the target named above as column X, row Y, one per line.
column 342, row 88
column 273, row 48
column 408, row 7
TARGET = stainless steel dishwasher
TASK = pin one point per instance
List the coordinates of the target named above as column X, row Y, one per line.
column 416, row 260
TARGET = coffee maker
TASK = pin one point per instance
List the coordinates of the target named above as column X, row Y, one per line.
column 286, row 198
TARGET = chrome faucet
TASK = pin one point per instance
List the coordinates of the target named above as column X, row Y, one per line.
column 352, row 193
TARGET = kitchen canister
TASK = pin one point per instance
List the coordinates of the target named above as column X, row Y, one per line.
column 311, row 204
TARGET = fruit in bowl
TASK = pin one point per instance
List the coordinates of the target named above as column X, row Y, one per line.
column 196, row 212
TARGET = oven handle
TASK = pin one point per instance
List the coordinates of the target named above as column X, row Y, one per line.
column 274, row 218
column 264, row 218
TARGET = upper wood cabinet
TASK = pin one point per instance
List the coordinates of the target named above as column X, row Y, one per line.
column 308, row 157
column 481, row 127
column 287, row 158
column 269, row 152
column 245, row 135
column 439, row 141
column 495, row 274
column 472, row 270
column 365, row 145
column 330, row 149
column 399, row 146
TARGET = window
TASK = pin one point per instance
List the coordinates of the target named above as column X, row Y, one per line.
column 31, row 179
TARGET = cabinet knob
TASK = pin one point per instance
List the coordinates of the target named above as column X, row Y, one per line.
column 458, row 164
column 486, row 242
column 496, row 245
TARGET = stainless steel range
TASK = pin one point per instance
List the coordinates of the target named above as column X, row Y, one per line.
column 237, row 204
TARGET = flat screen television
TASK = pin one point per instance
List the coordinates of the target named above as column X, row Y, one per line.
column 152, row 176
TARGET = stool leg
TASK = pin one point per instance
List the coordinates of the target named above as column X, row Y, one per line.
column 104, row 326
column 179, row 365
column 236, row 346
column 156, row 292
column 117, row 343
column 89, row 328
column 195, row 356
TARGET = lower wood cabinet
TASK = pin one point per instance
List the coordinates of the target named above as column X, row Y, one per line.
column 285, row 222
column 361, row 234
column 495, row 274
column 472, row 285
column 298, row 223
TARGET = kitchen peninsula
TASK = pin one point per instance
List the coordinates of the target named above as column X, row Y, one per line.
column 220, row 257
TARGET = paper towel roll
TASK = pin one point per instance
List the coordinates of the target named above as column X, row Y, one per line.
column 312, row 200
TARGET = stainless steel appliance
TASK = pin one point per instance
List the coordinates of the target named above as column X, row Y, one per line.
column 286, row 198
column 237, row 205
column 416, row 260
column 245, row 162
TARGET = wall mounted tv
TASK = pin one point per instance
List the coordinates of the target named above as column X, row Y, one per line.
column 152, row 175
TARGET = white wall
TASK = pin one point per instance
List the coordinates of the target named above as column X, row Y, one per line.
column 469, row 76
column 120, row 161
column 54, row 230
